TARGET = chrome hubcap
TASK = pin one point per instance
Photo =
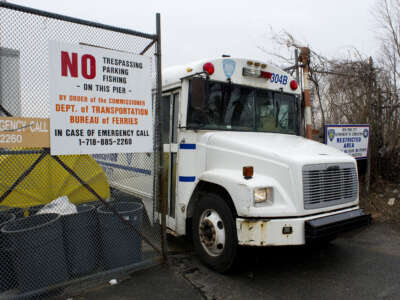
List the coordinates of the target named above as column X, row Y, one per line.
column 212, row 232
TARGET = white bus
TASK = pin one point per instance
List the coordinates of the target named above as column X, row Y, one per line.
column 237, row 170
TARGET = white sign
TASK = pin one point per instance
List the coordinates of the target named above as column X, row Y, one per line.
column 100, row 101
column 351, row 139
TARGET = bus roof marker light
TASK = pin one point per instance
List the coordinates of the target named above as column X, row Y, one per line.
column 208, row 68
column 294, row 85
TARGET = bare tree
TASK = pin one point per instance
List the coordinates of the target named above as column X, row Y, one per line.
column 387, row 15
column 286, row 41
column 357, row 89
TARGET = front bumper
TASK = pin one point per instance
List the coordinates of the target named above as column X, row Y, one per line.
column 330, row 226
column 271, row 232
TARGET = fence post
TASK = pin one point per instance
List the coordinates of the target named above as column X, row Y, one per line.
column 159, row 167
column 371, row 81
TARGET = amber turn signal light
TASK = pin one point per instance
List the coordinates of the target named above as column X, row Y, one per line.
column 248, row 172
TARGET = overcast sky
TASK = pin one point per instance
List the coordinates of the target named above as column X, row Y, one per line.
column 193, row 30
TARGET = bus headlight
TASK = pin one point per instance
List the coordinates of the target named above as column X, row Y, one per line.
column 263, row 196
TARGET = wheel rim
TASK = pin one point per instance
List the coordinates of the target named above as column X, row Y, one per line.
column 212, row 232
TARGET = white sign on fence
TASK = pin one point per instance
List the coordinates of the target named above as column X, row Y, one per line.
column 100, row 100
column 351, row 139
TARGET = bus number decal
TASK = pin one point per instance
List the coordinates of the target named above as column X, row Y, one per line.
column 276, row 78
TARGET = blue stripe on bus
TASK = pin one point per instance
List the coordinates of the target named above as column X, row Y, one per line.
column 187, row 146
column 127, row 168
column 187, row 178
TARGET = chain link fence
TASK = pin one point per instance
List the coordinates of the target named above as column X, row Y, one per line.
column 112, row 226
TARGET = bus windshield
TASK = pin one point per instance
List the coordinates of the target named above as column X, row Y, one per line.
column 226, row 106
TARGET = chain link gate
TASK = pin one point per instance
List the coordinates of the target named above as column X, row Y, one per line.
column 116, row 228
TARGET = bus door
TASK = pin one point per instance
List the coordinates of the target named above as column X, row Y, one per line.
column 169, row 124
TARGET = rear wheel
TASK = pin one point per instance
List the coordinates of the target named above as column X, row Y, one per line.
column 214, row 233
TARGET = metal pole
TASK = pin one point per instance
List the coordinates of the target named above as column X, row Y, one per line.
column 1, row 81
column 300, row 115
column 368, row 175
column 371, row 83
column 305, row 60
column 296, row 63
column 157, row 138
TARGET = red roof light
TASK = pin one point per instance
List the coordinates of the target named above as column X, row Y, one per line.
column 294, row 85
column 208, row 68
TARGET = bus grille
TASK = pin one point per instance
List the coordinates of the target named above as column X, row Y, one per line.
column 329, row 184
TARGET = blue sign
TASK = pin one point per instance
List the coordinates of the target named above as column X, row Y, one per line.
column 229, row 67
column 351, row 139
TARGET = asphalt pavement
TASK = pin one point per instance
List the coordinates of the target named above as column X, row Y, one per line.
column 363, row 265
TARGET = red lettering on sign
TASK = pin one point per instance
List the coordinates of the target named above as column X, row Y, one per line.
column 87, row 58
column 68, row 65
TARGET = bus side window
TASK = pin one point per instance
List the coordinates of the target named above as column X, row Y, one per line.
column 197, row 102
column 165, row 118
column 175, row 115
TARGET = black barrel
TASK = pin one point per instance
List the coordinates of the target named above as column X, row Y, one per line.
column 120, row 196
column 121, row 245
column 96, row 204
column 34, row 209
column 17, row 211
column 7, row 276
column 37, row 251
column 81, row 240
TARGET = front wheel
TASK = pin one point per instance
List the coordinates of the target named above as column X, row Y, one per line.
column 214, row 233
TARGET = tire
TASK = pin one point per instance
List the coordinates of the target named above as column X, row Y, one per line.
column 217, row 249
